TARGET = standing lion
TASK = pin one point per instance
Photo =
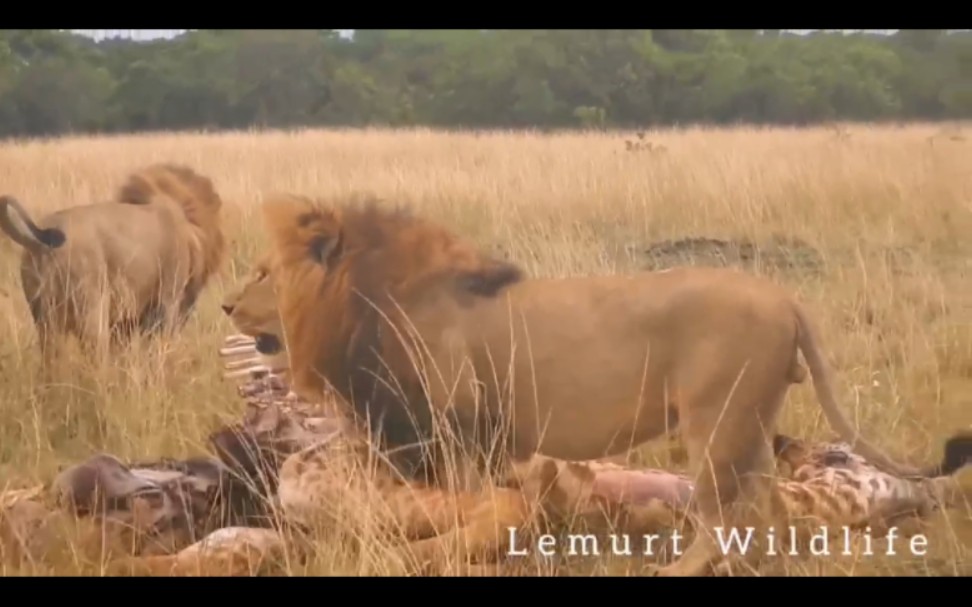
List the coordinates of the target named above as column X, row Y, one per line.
column 412, row 326
column 104, row 271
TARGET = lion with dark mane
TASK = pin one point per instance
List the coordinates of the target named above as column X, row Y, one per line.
column 137, row 263
column 413, row 327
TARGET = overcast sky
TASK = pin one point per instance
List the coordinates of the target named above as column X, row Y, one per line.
column 152, row 34
column 143, row 34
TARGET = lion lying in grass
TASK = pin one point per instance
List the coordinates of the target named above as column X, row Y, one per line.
column 423, row 336
column 138, row 263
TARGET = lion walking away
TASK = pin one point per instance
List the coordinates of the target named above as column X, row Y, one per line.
column 106, row 270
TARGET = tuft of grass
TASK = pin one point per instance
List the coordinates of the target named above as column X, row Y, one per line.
column 886, row 215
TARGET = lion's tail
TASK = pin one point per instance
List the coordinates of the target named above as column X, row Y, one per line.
column 823, row 383
column 958, row 455
column 193, row 193
column 18, row 225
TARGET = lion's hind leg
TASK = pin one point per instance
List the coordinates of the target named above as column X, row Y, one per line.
column 90, row 307
column 51, row 324
column 731, row 455
column 50, row 338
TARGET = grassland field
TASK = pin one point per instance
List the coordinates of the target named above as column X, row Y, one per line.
column 869, row 224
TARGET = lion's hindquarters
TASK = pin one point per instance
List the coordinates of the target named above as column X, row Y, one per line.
column 735, row 367
column 142, row 264
column 615, row 356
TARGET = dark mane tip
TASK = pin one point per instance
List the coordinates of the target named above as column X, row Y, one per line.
column 374, row 220
column 136, row 190
column 489, row 281
column 304, row 219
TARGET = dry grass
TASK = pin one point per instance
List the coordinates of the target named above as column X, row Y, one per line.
column 888, row 212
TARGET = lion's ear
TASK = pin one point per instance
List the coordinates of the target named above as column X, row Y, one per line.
column 302, row 229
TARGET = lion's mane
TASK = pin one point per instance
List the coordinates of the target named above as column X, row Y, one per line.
column 345, row 276
column 197, row 198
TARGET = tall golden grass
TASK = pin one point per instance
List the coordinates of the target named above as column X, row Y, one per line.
column 889, row 209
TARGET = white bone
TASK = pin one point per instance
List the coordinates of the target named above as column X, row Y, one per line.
column 239, row 364
column 239, row 339
column 247, row 372
column 237, row 350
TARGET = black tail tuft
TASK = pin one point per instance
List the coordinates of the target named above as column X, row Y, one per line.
column 51, row 237
column 958, row 453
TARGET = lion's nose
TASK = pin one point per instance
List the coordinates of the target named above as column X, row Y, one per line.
column 228, row 309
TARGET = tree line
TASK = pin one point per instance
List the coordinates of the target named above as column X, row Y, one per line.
column 54, row 82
